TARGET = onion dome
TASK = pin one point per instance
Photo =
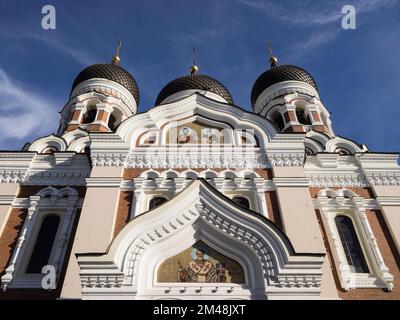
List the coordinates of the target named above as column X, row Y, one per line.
column 279, row 74
column 110, row 71
column 194, row 81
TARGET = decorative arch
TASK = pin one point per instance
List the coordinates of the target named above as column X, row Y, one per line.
column 196, row 105
column 51, row 141
column 272, row 268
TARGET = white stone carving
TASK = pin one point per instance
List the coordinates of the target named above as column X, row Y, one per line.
column 125, row 269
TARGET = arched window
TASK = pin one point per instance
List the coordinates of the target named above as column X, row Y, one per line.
column 44, row 244
column 156, row 201
column 114, row 120
column 49, row 150
column 90, row 115
column 351, row 245
column 241, row 201
column 301, row 115
column 342, row 151
column 277, row 119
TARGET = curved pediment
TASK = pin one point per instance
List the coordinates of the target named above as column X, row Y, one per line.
column 200, row 213
column 191, row 110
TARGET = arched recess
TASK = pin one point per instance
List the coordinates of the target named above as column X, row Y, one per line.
column 157, row 119
column 272, row 269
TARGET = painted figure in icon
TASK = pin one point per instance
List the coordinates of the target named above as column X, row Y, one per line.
column 200, row 269
column 187, row 135
column 210, row 136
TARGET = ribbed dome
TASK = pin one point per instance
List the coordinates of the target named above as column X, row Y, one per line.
column 279, row 74
column 111, row 72
column 194, row 81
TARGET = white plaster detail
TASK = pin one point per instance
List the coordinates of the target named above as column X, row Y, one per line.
column 127, row 270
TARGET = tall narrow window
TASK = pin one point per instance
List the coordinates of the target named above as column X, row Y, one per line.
column 44, row 244
column 278, row 120
column 241, row 201
column 114, row 120
column 90, row 115
column 156, row 201
column 351, row 245
column 301, row 115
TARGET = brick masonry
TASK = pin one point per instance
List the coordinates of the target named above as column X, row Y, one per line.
column 123, row 211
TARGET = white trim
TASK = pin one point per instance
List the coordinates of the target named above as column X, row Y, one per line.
column 107, row 87
column 198, row 214
column 333, row 203
column 40, row 206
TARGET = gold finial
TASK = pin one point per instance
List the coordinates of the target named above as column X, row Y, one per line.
column 194, row 69
column 272, row 60
column 116, row 59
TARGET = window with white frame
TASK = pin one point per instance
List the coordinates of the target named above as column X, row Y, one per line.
column 356, row 254
column 43, row 239
column 44, row 244
column 351, row 245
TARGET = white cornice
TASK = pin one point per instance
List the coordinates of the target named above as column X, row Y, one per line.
column 60, row 168
column 291, row 182
column 388, row 201
column 103, row 182
column 185, row 93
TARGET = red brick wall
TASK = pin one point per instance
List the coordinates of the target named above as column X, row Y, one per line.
column 124, row 209
column 10, row 236
column 273, row 208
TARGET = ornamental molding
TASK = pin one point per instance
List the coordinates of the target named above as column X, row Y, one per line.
column 383, row 178
column 283, row 88
column 108, row 159
column 336, row 179
column 56, row 178
column 195, row 158
column 127, row 269
column 10, row 176
column 197, row 104
column 345, row 202
column 107, row 87
column 286, row 159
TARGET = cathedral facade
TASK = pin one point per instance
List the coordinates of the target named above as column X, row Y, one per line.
column 198, row 198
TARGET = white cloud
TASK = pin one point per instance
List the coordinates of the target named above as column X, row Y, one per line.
column 23, row 113
column 77, row 54
column 311, row 13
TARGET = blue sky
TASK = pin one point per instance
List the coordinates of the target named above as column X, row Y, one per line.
column 357, row 71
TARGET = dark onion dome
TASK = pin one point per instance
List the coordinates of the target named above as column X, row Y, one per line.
column 194, row 82
column 279, row 74
column 111, row 72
